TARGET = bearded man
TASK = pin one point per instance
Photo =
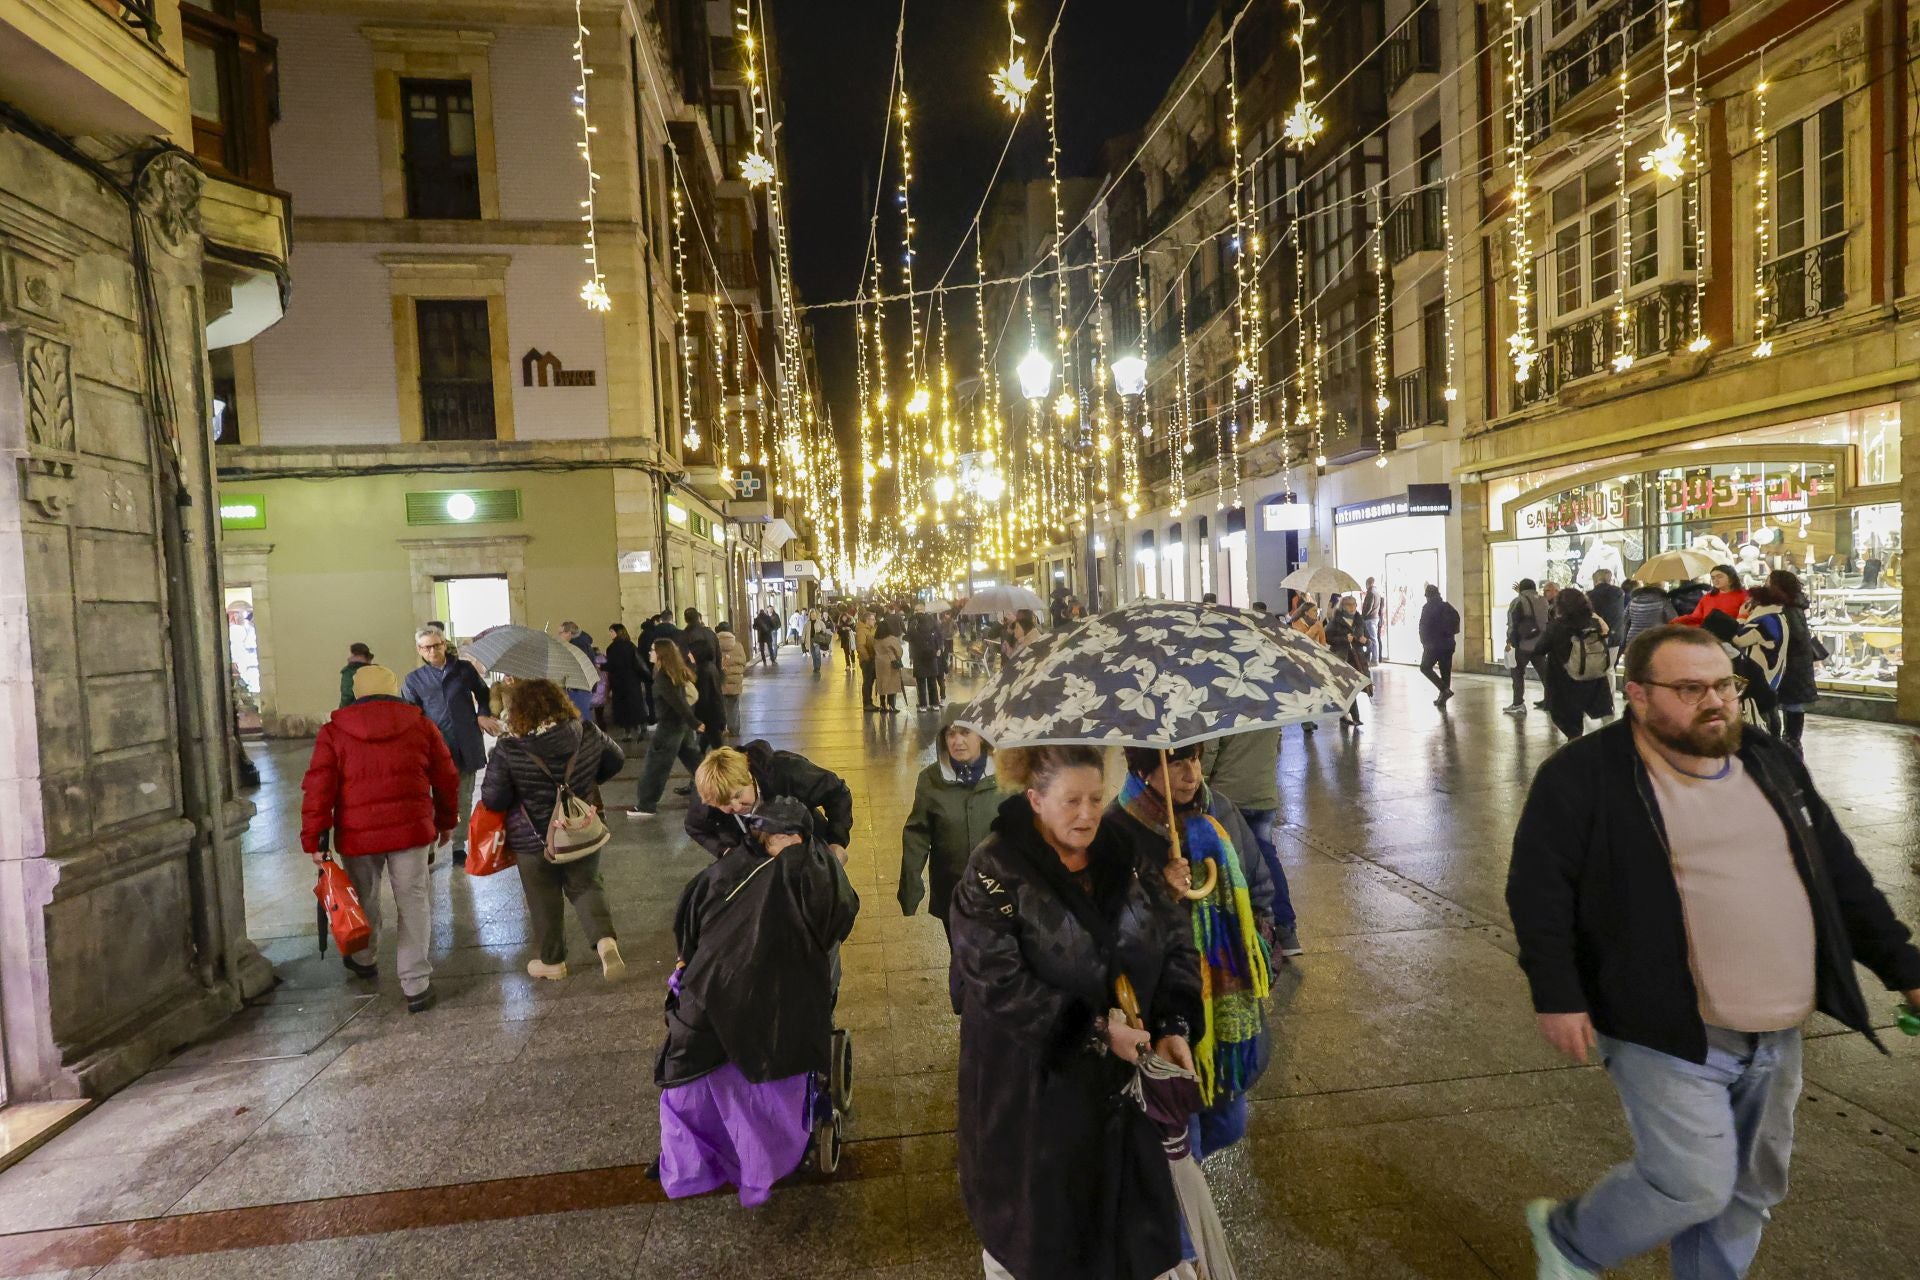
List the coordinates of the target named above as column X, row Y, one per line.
column 1683, row 900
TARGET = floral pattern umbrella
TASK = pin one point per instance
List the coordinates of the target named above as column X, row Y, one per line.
column 1160, row 673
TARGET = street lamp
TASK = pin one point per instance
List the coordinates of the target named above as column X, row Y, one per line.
column 1129, row 375
column 1036, row 375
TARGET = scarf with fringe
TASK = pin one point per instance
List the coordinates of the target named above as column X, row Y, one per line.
column 1235, row 961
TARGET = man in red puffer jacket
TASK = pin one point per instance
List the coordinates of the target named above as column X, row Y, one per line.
column 383, row 783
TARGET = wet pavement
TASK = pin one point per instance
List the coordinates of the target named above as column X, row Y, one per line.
column 1409, row 1112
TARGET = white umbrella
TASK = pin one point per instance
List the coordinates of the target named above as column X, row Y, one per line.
column 938, row 605
column 998, row 600
column 1323, row 581
column 527, row 654
column 1675, row 566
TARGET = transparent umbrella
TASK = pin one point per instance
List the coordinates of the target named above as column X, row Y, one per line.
column 527, row 654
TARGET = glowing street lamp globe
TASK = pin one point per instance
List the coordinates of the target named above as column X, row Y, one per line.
column 991, row 486
column 943, row 489
column 1129, row 375
column 1036, row 376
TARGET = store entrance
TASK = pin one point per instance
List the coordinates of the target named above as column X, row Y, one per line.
column 471, row 605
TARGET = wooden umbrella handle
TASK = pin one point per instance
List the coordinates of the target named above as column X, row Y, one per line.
column 1173, row 835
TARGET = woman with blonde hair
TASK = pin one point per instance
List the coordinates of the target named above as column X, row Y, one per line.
column 676, row 731
column 547, row 744
column 1062, row 1178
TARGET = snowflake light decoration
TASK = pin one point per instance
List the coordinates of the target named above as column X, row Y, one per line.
column 756, row 170
column 1012, row 83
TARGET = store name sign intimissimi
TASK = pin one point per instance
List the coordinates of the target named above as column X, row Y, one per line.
column 1418, row 500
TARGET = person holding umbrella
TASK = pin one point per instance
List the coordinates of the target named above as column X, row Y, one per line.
column 1062, row 1180
column 454, row 697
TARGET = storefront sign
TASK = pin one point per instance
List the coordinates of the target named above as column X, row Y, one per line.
column 1280, row 516
column 1697, row 495
column 542, row 369
column 636, row 562
column 243, row 511
column 792, row 570
column 1418, row 500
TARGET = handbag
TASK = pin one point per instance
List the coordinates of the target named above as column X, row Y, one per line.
column 487, row 850
column 346, row 918
column 575, row 829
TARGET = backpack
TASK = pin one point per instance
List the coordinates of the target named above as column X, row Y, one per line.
column 1526, row 623
column 1588, row 659
column 575, row 829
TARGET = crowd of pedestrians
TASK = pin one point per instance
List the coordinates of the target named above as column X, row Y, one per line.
column 1684, row 948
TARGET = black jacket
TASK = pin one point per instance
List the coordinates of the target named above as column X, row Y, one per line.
column 518, row 787
column 1647, row 608
column 1797, row 687
column 1597, row 913
column 673, row 705
column 1610, row 603
column 756, row 935
column 1062, row 1178
column 778, row 773
column 1149, row 845
column 1439, row 624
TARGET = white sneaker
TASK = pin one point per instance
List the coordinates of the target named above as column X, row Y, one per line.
column 554, row 972
column 1554, row 1265
column 633, row 812
column 612, row 967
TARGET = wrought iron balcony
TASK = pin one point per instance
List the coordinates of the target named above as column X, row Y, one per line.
column 1809, row 283
column 1592, row 56
column 1419, row 401
column 142, row 15
column 1541, row 385
column 1414, row 225
column 1414, row 47
column 737, row 268
column 1657, row 323
column 456, row 409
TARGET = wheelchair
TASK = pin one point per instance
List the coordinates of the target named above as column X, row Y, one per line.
column 829, row 1101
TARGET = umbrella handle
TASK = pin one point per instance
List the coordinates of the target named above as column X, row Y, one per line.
column 1173, row 834
column 1206, row 887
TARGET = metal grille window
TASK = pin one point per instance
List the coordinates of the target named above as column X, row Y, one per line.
column 440, row 151
column 463, row 506
column 1808, row 269
column 456, row 369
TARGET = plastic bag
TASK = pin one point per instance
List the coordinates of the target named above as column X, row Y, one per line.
column 345, row 916
column 487, row 850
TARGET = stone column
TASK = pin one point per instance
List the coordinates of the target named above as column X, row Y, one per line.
column 1907, row 692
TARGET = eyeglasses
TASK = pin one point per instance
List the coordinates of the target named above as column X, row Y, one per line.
column 429, row 648
column 1691, row 692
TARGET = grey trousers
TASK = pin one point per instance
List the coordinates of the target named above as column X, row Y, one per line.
column 459, row 833
column 413, row 903
column 549, row 887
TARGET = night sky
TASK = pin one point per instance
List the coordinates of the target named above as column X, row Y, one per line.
column 835, row 58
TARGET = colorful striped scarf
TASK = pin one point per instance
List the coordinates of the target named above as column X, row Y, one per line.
column 1235, row 961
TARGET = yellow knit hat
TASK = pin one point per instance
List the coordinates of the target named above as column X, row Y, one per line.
column 375, row 681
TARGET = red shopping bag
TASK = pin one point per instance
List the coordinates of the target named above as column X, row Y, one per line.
column 345, row 916
column 487, row 850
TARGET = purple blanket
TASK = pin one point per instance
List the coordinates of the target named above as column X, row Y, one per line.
column 722, row 1130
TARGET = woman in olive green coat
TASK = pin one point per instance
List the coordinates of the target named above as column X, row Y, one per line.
column 954, row 805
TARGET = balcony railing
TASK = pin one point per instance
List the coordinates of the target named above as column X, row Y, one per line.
column 1419, row 401
column 1414, row 47
column 1414, row 225
column 737, row 268
column 456, row 409
column 1809, row 283
column 1593, row 55
column 142, row 15
column 1543, row 383
column 1658, row 323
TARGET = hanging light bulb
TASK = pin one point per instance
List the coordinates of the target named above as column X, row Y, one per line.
column 1066, row 406
column 991, row 486
column 943, row 490
column 1036, row 375
column 1129, row 375
column 917, row 403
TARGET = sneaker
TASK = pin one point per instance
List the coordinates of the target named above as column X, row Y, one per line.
column 552, row 972
column 1554, row 1265
column 370, row 972
column 1440, row 701
column 1286, row 940
column 634, row 811
column 1512, row 707
column 612, row 967
column 683, row 791
column 1541, row 705
column 422, row 1002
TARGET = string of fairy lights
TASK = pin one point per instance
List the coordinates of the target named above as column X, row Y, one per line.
column 952, row 476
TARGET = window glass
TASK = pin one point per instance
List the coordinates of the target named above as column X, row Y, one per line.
column 1566, row 256
column 1832, row 171
column 1646, row 236
column 1790, row 189
column 203, row 81
column 1601, row 270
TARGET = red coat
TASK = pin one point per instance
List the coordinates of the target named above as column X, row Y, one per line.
column 1727, row 602
column 381, row 778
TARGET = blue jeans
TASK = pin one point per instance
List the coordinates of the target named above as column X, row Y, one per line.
column 1219, row 1126
column 816, row 653
column 1711, row 1142
column 669, row 743
column 1261, row 820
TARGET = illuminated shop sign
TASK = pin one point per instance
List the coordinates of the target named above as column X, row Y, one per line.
column 1418, row 500
column 1697, row 495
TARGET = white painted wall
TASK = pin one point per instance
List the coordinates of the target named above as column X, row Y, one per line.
column 544, row 311
column 325, row 148
column 325, row 374
column 536, row 134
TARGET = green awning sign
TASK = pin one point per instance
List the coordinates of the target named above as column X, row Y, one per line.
column 243, row 511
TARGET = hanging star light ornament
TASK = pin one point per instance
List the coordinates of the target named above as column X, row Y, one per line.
column 756, row 170
column 1304, row 123
column 1669, row 159
column 594, row 291
column 1012, row 82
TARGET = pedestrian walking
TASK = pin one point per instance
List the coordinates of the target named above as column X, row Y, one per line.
column 627, row 681
column 1724, row 595
column 729, row 783
column 1231, row 926
column 750, row 1007
column 1348, row 640
column 1759, row 651
column 819, row 639
column 843, row 627
column 1579, row 665
column 1306, row 621
column 548, row 746
column 765, row 628
column 1245, row 768
column 1647, row 607
column 358, row 656
column 1439, row 624
column 710, row 699
column 1062, row 1178
column 1372, row 609
column 675, row 733
column 733, row 674
column 381, row 790
column 888, row 683
column 1797, row 688
column 1609, row 604
column 454, row 696
column 864, row 634
column 1683, row 899
column 697, row 630
column 923, row 643
column 1527, row 618
column 955, row 800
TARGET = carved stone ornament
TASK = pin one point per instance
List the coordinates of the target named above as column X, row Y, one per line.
column 49, row 395
column 170, row 200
